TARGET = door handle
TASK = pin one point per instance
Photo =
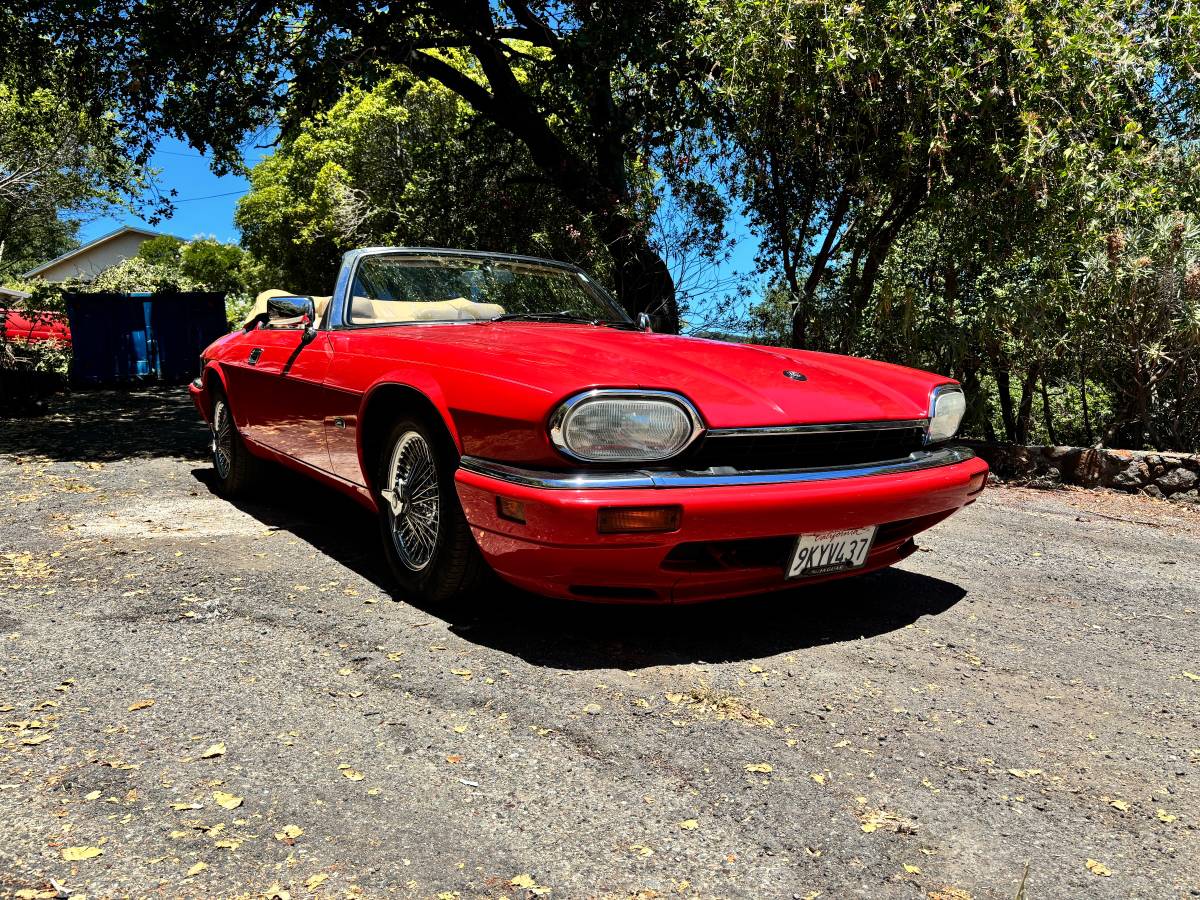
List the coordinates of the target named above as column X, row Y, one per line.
column 254, row 355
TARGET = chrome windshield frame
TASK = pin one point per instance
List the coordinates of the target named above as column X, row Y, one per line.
column 336, row 315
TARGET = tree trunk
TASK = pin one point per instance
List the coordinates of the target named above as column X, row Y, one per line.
column 1047, row 416
column 642, row 280
column 1083, row 401
column 1007, row 416
column 1025, row 411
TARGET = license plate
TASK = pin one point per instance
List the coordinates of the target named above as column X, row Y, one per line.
column 831, row 551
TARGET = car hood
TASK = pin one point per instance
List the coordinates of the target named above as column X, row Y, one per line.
column 730, row 384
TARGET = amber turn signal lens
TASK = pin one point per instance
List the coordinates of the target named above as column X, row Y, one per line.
column 513, row 510
column 628, row 519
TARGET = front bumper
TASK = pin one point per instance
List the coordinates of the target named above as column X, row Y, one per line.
column 736, row 526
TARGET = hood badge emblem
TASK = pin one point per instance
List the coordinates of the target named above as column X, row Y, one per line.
column 795, row 376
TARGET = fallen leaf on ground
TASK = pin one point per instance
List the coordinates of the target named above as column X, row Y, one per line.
column 227, row 800
column 1122, row 805
column 759, row 767
column 461, row 673
column 289, row 831
column 912, row 870
column 689, row 824
column 352, row 774
column 1098, row 868
column 641, row 850
column 1164, row 816
column 454, row 758
column 1191, row 676
column 316, row 881
column 179, row 806
column 75, row 854
column 92, row 795
column 817, row 777
column 217, row 749
column 196, row 869
column 140, row 704
column 1024, row 773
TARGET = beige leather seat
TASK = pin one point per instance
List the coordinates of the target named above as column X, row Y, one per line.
column 364, row 310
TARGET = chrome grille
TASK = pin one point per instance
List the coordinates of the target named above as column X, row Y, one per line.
column 807, row 446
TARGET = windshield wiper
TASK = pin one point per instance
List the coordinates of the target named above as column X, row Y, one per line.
column 563, row 315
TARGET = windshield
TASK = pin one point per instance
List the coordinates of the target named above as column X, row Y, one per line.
column 390, row 289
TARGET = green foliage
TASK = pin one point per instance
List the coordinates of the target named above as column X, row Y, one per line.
column 162, row 250
column 59, row 162
column 407, row 162
column 850, row 123
column 591, row 90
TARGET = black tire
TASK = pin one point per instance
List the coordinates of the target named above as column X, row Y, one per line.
column 426, row 538
column 237, row 470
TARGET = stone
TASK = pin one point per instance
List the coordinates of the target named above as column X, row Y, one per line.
column 1178, row 480
column 1134, row 475
column 1151, row 490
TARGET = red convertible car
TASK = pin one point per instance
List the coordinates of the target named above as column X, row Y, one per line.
column 502, row 412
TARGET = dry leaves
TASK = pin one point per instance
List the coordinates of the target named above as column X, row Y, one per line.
column 352, row 774
column 759, row 767
column 316, row 881
column 1024, row 773
column 880, row 819
column 76, row 854
column 526, row 882
column 689, row 824
column 217, row 749
column 1098, row 868
column 1164, row 816
column 226, row 800
column 289, row 832
column 140, row 704
column 196, row 869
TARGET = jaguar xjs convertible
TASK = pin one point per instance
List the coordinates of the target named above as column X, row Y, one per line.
column 503, row 413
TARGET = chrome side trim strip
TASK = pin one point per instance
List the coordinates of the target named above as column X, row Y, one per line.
column 810, row 429
column 587, row 481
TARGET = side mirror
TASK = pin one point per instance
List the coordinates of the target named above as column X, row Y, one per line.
column 290, row 311
column 644, row 323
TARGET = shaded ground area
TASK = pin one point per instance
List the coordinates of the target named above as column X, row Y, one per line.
column 1025, row 693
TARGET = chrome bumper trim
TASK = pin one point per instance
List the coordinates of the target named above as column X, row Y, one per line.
column 768, row 430
column 588, row 481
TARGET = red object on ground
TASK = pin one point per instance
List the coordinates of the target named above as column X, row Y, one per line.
column 23, row 325
column 316, row 403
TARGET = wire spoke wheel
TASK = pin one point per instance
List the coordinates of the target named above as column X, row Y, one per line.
column 222, row 439
column 414, row 499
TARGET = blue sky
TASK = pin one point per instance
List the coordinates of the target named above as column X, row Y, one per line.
column 205, row 203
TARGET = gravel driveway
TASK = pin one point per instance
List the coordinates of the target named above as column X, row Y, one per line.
column 203, row 699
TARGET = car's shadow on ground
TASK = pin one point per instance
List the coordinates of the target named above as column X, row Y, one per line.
column 108, row 425
column 574, row 635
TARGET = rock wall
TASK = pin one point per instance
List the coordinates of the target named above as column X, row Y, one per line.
column 1174, row 475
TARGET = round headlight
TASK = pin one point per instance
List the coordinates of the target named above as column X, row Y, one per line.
column 618, row 426
column 947, row 404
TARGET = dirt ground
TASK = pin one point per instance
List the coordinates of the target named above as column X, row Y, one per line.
column 203, row 699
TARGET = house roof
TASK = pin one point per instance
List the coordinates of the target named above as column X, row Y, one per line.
column 9, row 292
column 103, row 239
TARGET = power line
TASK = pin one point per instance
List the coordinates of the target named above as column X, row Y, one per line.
column 212, row 196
